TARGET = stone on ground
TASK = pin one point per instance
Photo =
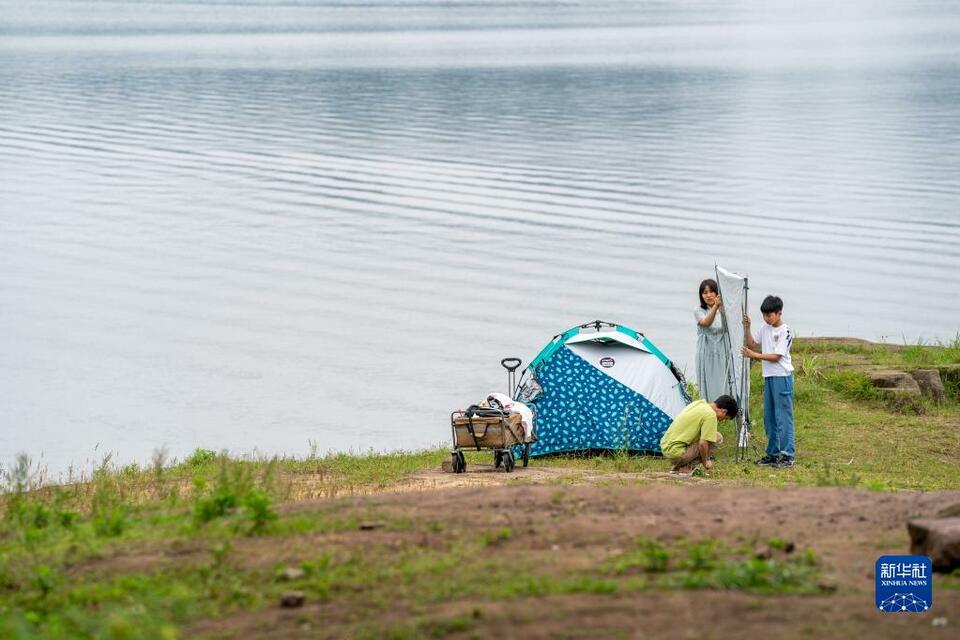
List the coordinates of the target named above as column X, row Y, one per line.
column 899, row 382
column 938, row 538
column 292, row 599
column 930, row 384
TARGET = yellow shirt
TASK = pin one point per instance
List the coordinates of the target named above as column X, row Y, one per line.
column 696, row 422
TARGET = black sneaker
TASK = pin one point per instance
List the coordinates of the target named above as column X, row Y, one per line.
column 783, row 463
column 768, row 460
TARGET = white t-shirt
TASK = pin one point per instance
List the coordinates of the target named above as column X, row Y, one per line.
column 776, row 340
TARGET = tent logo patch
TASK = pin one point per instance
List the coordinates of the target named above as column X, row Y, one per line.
column 904, row 584
column 607, row 362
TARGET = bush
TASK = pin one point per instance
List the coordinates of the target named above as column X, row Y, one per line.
column 232, row 489
column 257, row 507
column 200, row 457
column 109, row 512
column 701, row 556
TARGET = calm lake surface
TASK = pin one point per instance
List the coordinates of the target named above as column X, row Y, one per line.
column 250, row 225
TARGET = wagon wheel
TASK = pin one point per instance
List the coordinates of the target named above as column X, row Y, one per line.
column 508, row 461
column 526, row 454
column 459, row 463
column 497, row 458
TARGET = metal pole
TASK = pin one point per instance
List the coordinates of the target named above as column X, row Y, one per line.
column 744, row 435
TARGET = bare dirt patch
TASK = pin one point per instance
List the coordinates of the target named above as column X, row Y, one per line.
column 575, row 527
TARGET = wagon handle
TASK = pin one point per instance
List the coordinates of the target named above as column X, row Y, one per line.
column 511, row 364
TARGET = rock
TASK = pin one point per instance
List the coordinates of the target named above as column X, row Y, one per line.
column 898, row 382
column 938, row 538
column 939, row 622
column 292, row 573
column 827, row 584
column 447, row 466
column 949, row 512
column 790, row 547
column 292, row 599
column 930, row 384
column 764, row 553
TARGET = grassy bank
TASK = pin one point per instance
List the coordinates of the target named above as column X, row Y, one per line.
column 848, row 433
column 167, row 549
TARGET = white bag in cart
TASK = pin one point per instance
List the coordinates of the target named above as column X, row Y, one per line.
column 526, row 415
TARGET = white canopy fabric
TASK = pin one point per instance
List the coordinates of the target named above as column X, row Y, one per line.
column 733, row 291
column 636, row 368
column 607, row 336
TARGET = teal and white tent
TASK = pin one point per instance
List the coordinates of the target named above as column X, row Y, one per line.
column 604, row 386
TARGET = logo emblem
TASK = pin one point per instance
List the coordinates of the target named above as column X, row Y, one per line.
column 904, row 584
column 606, row 362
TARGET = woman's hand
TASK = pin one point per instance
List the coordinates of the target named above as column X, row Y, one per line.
column 718, row 303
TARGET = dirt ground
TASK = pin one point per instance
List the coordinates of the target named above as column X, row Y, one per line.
column 577, row 524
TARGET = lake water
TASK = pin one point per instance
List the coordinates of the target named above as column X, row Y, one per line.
column 250, row 225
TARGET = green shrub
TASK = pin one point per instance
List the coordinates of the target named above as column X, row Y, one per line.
column 766, row 575
column 200, row 457
column 257, row 507
column 110, row 521
column 701, row 556
column 648, row 555
column 488, row 538
column 217, row 505
column 234, row 489
column 109, row 511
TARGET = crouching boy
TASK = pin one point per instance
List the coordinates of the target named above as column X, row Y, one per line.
column 693, row 435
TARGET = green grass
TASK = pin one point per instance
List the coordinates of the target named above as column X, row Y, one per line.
column 57, row 542
column 847, row 432
column 704, row 564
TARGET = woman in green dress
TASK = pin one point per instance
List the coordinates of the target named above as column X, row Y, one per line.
column 713, row 354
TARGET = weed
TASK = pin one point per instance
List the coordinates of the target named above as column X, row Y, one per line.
column 701, row 556
column 828, row 477
column 648, row 555
column 766, row 575
column 258, row 510
column 200, row 457
column 231, row 483
column 109, row 511
column 45, row 579
column 489, row 538
column 777, row 544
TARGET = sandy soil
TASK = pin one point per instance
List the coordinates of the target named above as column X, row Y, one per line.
column 577, row 525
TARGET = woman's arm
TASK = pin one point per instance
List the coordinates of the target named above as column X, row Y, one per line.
column 707, row 319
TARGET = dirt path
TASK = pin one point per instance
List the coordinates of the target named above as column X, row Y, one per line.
column 575, row 526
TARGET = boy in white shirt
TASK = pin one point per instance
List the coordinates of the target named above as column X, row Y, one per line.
column 774, row 342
